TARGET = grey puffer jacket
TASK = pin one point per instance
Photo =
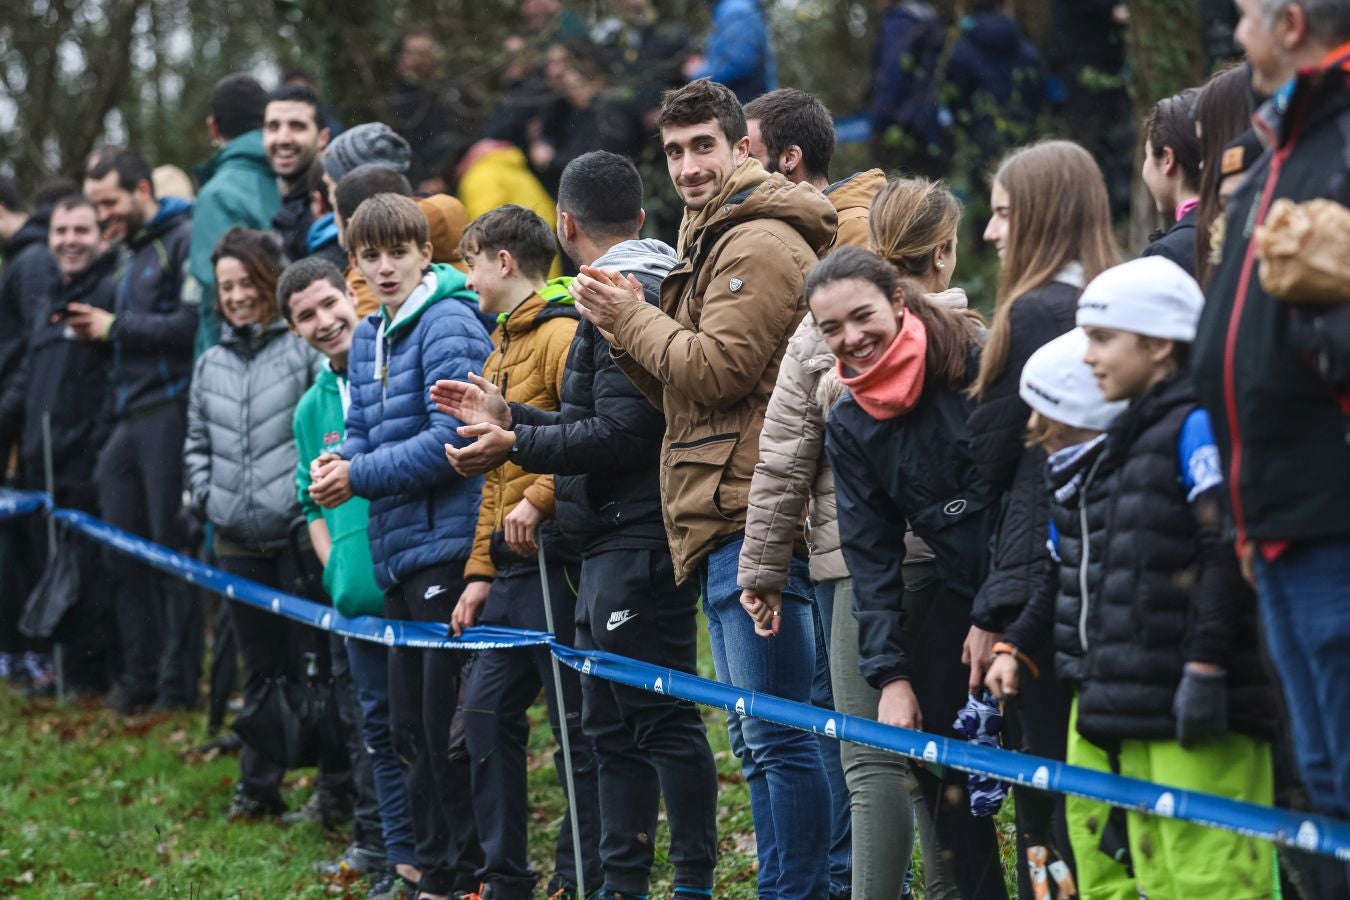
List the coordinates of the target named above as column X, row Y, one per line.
column 239, row 457
column 794, row 471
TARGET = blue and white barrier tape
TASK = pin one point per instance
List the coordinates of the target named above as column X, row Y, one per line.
column 1316, row 834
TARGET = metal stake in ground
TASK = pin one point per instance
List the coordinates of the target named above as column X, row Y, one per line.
column 49, row 478
column 562, row 731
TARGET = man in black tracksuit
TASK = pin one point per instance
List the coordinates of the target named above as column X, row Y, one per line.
column 140, row 471
column 65, row 381
column 603, row 447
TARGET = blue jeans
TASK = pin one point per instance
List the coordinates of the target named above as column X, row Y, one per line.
column 789, row 795
column 370, row 673
column 841, row 807
column 1305, row 607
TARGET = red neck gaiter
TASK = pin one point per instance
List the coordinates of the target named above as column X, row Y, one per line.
column 892, row 387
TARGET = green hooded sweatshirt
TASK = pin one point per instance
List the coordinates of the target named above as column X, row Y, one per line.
column 320, row 426
column 238, row 188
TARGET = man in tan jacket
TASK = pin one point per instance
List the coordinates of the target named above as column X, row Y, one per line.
column 708, row 357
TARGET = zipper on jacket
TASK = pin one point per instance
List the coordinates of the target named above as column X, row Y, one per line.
column 1086, row 556
column 1230, row 340
column 710, row 439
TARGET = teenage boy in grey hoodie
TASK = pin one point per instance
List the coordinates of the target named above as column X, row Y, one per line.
column 604, row 448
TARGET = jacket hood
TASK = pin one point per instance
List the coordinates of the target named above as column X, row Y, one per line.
column 250, row 337
column 995, row 33
column 171, row 212
column 856, row 191
column 441, row 282
column 246, row 149
column 553, row 302
column 34, row 231
column 751, row 193
column 641, row 257
column 446, row 220
column 323, row 232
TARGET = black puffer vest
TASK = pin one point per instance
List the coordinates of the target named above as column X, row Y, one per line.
column 1153, row 583
column 1077, row 509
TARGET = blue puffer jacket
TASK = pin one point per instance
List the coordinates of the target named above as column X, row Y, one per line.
column 421, row 513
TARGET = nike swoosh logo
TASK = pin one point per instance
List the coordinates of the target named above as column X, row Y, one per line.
column 617, row 620
column 434, row 591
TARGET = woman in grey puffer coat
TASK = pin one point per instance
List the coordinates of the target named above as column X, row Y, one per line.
column 239, row 460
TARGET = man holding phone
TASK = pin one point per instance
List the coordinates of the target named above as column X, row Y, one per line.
column 67, row 380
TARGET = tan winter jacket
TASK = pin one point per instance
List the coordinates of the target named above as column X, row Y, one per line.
column 527, row 361
column 852, row 199
column 709, row 356
column 793, row 469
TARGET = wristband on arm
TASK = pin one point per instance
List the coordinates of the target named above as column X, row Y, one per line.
column 1009, row 649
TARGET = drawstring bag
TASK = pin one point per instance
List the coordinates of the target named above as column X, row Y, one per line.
column 56, row 592
column 295, row 725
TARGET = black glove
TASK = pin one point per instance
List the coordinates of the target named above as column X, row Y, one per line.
column 1201, row 707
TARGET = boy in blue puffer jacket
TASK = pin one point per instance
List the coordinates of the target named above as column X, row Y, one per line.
column 422, row 513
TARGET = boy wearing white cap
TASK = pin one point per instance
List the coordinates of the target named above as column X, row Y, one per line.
column 1069, row 416
column 1171, row 683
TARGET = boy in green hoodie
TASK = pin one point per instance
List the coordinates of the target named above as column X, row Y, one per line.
column 314, row 299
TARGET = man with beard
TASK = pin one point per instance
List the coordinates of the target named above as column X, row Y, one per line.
column 66, row 380
column 151, row 328
column 292, row 141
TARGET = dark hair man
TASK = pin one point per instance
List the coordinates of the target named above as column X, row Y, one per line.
column 708, row 356
column 238, row 187
column 66, row 381
column 292, row 140
column 140, row 470
column 1272, row 374
column 603, row 447
column 792, row 132
column 27, row 276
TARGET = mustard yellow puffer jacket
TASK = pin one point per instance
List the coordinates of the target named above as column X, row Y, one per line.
column 529, row 354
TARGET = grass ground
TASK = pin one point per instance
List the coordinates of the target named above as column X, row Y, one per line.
column 92, row 805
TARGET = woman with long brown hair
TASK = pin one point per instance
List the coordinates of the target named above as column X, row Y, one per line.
column 1223, row 111
column 239, row 466
column 1052, row 226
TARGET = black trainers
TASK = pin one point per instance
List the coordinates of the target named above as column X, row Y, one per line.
column 358, row 859
column 250, row 809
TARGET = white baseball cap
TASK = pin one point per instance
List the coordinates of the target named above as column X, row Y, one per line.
column 1060, row 386
column 1153, row 297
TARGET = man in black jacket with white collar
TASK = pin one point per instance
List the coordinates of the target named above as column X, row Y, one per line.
column 604, row 448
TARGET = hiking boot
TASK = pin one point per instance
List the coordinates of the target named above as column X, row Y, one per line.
column 324, row 809
column 358, row 859
column 247, row 808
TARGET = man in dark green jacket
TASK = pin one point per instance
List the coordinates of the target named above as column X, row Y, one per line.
column 238, row 187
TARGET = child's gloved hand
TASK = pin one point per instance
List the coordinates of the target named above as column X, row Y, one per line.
column 1201, row 704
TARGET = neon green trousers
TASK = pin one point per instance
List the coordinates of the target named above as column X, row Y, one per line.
column 1175, row 860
